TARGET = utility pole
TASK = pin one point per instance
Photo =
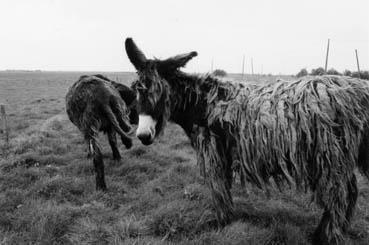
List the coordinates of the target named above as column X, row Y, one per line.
column 357, row 63
column 326, row 58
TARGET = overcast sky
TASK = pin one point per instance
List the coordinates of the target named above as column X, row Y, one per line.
column 281, row 36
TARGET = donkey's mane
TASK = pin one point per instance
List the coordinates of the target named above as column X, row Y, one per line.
column 207, row 85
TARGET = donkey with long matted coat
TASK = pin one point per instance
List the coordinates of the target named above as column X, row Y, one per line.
column 95, row 103
column 311, row 133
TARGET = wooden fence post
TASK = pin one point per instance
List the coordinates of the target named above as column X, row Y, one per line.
column 4, row 127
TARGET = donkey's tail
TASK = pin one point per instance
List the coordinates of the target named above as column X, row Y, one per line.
column 117, row 122
column 363, row 161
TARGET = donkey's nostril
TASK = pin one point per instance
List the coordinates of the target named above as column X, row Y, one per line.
column 146, row 139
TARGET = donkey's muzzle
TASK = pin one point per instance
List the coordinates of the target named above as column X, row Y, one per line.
column 146, row 139
column 146, row 129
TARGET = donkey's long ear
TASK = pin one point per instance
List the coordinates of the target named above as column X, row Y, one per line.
column 135, row 55
column 177, row 61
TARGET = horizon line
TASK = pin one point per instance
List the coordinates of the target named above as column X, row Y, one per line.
column 97, row 71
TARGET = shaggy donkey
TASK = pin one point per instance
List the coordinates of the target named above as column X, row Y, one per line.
column 95, row 103
column 311, row 133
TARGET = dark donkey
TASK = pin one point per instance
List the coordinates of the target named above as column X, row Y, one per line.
column 311, row 133
column 95, row 103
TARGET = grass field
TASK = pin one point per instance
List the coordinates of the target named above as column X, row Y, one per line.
column 155, row 194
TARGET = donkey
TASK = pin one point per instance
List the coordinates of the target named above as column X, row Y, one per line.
column 95, row 103
column 311, row 133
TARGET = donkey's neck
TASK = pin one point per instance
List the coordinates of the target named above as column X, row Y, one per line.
column 187, row 100
column 190, row 96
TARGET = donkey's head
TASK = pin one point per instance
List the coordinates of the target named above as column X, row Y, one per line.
column 153, row 90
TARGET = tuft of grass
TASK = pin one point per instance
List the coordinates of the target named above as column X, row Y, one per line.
column 79, row 167
column 61, row 189
column 43, row 223
column 88, row 231
column 20, row 125
column 20, row 178
column 26, row 143
column 137, row 151
column 32, row 160
column 135, row 174
column 128, row 227
column 180, row 219
column 10, row 200
column 281, row 233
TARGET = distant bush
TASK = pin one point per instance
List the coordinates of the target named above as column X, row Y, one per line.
column 355, row 74
column 220, row 73
column 362, row 75
column 302, row 73
column 347, row 73
column 318, row 71
column 333, row 71
column 365, row 75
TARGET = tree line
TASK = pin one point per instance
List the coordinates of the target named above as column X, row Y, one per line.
column 320, row 71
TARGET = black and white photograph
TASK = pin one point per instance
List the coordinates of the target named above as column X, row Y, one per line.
column 197, row 122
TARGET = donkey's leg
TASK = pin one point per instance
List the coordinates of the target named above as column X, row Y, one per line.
column 335, row 206
column 98, row 164
column 218, row 181
column 197, row 134
column 201, row 164
column 87, row 134
column 352, row 195
column 112, row 137
column 196, row 137
column 228, row 170
column 363, row 160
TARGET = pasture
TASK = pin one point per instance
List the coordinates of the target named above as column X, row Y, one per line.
column 155, row 193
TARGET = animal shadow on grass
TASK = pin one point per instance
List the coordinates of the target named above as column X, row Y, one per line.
column 264, row 217
column 137, row 151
